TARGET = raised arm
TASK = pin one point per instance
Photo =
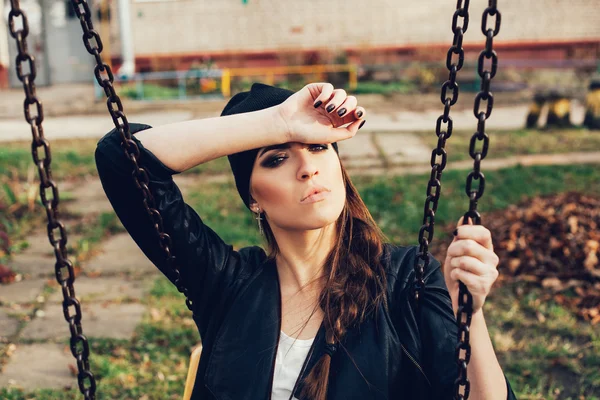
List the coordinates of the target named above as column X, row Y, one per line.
column 206, row 263
column 184, row 145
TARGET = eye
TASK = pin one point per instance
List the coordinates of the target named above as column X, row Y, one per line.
column 277, row 159
column 274, row 161
column 319, row 147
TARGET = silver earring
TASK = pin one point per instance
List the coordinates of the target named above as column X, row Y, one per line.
column 259, row 218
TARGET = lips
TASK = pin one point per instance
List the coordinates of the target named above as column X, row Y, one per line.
column 314, row 190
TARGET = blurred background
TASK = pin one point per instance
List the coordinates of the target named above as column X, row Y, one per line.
column 181, row 48
column 176, row 60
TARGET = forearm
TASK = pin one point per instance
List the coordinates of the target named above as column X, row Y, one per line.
column 183, row 145
column 484, row 371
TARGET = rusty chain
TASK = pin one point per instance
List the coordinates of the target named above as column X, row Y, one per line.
column 57, row 234
column 105, row 78
column 443, row 130
column 465, row 300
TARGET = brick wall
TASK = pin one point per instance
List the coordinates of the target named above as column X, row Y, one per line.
column 182, row 27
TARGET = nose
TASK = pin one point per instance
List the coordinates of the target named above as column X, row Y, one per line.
column 308, row 167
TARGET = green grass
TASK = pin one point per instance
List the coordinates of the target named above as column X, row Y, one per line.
column 72, row 159
column 556, row 357
column 553, row 358
column 520, row 142
column 384, row 88
column 150, row 92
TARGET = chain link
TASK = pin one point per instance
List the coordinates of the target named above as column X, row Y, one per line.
column 443, row 130
column 105, row 78
column 465, row 299
column 49, row 195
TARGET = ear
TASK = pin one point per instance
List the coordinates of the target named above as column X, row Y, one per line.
column 254, row 206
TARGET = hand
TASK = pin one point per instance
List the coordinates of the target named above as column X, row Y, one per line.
column 471, row 259
column 309, row 124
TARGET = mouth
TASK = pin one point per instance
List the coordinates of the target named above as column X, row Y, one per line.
column 315, row 194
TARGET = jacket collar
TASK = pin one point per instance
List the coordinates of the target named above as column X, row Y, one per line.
column 241, row 363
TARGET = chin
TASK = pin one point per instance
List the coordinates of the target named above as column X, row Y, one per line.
column 317, row 218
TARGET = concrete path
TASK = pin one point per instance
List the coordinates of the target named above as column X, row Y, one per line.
column 110, row 288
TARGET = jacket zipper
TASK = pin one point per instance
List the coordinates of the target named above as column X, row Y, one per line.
column 416, row 363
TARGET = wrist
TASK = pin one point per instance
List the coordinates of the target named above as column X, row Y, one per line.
column 281, row 125
column 476, row 314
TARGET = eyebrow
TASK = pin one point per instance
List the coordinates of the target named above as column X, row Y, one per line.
column 274, row 147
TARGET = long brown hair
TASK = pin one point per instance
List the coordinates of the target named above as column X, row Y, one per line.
column 356, row 283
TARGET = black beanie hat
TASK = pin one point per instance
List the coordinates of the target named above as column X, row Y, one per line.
column 259, row 97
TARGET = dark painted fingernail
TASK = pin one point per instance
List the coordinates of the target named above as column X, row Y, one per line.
column 455, row 233
column 318, row 103
column 330, row 108
column 361, row 124
column 359, row 114
column 341, row 111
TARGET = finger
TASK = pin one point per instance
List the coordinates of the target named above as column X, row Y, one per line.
column 360, row 113
column 468, row 247
column 478, row 233
column 473, row 282
column 355, row 126
column 339, row 96
column 352, row 114
column 469, row 264
column 323, row 92
column 347, row 108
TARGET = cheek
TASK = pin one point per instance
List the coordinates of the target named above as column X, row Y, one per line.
column 270, row 191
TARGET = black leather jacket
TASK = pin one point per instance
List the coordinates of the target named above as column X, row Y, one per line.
column 395, row 354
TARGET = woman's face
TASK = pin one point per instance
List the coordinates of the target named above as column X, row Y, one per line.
column 283, row 175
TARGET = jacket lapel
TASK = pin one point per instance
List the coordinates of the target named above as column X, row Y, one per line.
column 243, row 355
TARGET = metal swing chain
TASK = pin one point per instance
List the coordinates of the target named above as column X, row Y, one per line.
column 443, row 130
column 105, row 78
column 465, row 299
column 57, row 235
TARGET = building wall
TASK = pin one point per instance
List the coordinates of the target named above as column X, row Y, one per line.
column 3, row 47
column 179, row 27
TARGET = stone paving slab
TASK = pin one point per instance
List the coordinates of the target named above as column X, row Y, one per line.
column 32, row 266
column 25, row 291
column 114, row 321
column 37, row 259
column 8, row 325
column 38, row 244
column 359, row 151
column 101, row 289
column 403, row 148
column 120, row 254
column 89, row 197
column 39, row 366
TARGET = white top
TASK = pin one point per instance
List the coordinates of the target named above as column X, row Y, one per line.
column 290, row 357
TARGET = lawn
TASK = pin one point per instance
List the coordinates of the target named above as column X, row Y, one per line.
column 546, row 352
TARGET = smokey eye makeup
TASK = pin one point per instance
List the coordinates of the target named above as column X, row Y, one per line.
column 276, row 159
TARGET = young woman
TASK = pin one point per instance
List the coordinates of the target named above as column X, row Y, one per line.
column 326, row 312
